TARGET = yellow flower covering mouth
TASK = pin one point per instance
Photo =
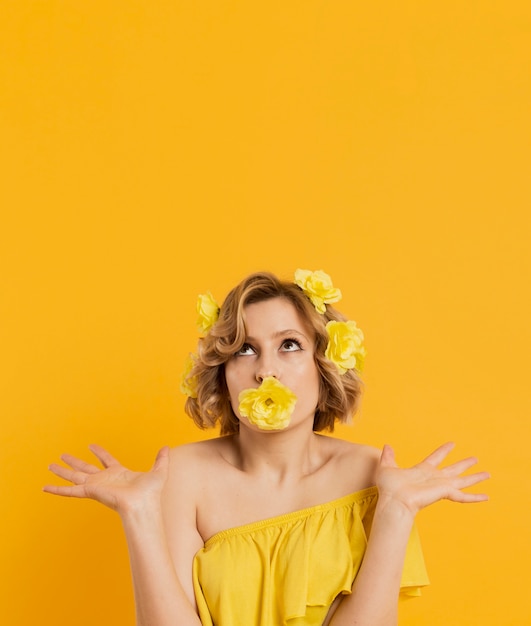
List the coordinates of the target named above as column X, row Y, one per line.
column 270, row 406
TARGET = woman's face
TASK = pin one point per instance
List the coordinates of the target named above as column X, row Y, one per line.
column 277, row 344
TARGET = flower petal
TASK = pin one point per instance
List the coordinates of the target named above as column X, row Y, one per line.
column 208, row 311
column 318, row 287
column 345, row 345
column 188, row 382
column 270, row 406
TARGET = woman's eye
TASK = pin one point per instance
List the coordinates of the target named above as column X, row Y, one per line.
column 245, row 350
column 291, row 345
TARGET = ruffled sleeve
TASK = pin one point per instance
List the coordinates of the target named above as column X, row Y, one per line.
column 414, row 575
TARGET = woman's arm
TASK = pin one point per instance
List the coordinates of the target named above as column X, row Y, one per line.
column 160, row 596
column 402, row 493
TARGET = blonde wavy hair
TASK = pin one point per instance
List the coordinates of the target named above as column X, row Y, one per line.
column 339, row 395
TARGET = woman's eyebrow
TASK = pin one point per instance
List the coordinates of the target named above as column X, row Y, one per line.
column 281, row 333
column 288, row 331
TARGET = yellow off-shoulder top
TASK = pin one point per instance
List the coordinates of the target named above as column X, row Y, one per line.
column 287, row 570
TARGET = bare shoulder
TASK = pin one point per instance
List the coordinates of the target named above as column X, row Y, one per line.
column 348, row 450
column 190, row 473
column 192, row 463
column 354, row 460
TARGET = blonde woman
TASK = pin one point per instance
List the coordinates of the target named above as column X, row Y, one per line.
column 272, row 523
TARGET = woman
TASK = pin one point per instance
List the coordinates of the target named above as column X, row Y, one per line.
column 268, row 523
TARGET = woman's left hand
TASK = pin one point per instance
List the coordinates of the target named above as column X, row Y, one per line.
column 424, row 483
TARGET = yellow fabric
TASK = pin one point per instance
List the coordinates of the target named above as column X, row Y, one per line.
column 288, row 569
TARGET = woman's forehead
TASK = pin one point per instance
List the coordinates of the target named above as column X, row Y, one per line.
column 274, row 315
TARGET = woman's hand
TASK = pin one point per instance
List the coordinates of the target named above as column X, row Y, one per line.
column 114, row 486
column 424, row 483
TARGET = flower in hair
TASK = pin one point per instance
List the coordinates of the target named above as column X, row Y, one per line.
column 345, row 346
column 208, row 311
column 270, row 406
column 318, row 287
column 188, row 382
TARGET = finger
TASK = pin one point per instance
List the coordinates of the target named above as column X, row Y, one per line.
column 460, row 466
column 162, row 459
column 79, row 464
column 472, row 479
column 69, row 491
column 71, row 475
column 467, row 498
column 438, row 455
column 105, row 457
column 387, row 458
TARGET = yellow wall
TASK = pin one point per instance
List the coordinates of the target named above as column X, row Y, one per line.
column 151, row 150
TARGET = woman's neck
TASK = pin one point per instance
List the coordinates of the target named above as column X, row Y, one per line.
column 280, row 457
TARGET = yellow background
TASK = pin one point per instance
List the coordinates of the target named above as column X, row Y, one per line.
column 155, row 149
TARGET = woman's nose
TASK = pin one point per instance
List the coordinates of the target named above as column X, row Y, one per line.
column 260, row 377
column 265, row 367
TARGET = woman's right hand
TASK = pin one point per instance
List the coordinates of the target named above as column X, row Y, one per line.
column 113, row 485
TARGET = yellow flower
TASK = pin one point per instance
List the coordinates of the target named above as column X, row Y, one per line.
column 318, row 287
column 208, row 310
column 188, row 382
column 345, row 347
column 270, row 406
